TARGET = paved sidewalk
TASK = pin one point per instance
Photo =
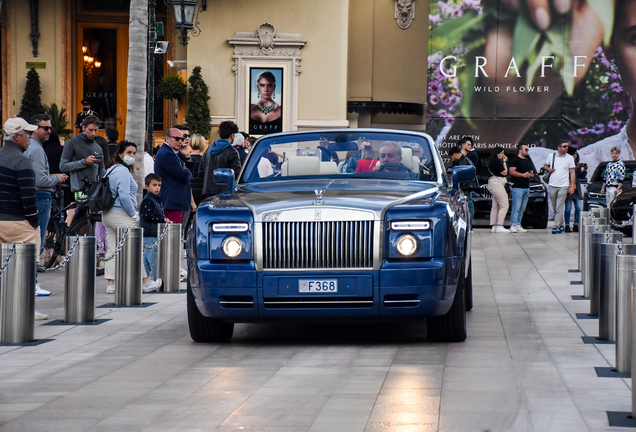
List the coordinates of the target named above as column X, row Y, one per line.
column 523, row 368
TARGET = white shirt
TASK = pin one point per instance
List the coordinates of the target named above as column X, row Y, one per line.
column 265, row 168
column 562, row 165
column 149, row 164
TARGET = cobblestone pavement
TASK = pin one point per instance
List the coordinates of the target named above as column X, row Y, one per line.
column 524, row 366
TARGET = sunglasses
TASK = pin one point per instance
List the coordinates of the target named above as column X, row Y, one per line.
column 176, row 138
column 186, row 136
column 46, row 128
column 564, row 146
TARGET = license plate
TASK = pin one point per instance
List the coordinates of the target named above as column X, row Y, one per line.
column 318, row 286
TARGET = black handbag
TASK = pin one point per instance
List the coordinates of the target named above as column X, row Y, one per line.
column 100, row 197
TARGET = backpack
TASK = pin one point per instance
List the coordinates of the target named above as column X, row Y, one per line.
column 100, row 197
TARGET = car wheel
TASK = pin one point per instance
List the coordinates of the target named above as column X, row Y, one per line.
column 204, row 329
column 468, row 287
column 452, row 326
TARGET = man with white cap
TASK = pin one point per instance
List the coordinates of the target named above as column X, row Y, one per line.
column 19, row 212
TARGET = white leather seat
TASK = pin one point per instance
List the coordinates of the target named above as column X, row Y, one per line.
column 301, row 165
column 407, row 157
column 329, row 167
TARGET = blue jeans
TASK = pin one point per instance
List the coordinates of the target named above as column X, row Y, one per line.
column 577, row 210
column 519, row 202
column 44, row 202
column 150, row 257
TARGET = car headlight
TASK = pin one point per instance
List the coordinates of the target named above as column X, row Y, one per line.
column 232, row 247
column 406, row 245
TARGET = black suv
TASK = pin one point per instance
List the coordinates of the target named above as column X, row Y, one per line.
column 536, row 214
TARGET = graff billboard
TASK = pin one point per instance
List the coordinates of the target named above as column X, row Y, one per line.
column 505, row 72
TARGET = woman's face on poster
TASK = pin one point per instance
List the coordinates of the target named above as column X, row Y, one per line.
column 624, row 43
column 266, row 88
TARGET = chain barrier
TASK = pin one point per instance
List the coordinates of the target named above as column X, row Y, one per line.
column 62, row 263
column 620, row 248
column 6, row 261
column 628, row 222
column 118, row 248
column 163, row 234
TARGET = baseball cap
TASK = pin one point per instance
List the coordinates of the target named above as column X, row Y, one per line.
column 17, row 124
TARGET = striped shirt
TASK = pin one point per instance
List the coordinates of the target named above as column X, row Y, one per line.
column 17, row 185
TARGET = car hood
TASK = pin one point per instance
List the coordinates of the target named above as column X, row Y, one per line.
column 360, row 194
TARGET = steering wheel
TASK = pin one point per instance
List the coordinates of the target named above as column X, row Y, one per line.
column 397, row 166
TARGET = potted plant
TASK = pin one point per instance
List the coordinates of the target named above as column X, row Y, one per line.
column 172, row 87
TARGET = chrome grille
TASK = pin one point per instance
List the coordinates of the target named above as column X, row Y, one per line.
column 317, row 245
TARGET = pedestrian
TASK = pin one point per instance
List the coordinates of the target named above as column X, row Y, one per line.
column 124, row 212
column 242, row 144
column 614, row 176
column 175, row 193
column 521, row 170
column 498, row 169
column 580, row 172
column 53, row 149
column 185, row 154
column 19, row 212
column 151, row 214
column 198, row 145
column 112, row 135
column 45, row 182
column 86, row 112
column 83, row 158
column 562, row 182
column 467, row 145
column 221, row 154
column 459, row 155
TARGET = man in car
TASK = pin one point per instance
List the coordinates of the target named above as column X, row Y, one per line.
column 522, row 170
column 390, row 157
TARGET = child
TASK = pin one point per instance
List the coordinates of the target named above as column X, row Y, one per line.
column 151, row 213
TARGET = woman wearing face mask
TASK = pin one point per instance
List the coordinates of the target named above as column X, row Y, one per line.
column 124, row 212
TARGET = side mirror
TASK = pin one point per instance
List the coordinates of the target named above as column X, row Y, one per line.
column 224, row 176
column 461, row 173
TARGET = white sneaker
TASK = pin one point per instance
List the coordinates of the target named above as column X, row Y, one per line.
column 151, row 286
column 513, row 229
column 520, row 229
column 39, row 316
column 41, row 292
column 494, row 228
column 110, row 289
column 500, row 229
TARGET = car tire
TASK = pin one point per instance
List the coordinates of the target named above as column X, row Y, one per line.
column 468, row 287
column 204, row 329
column 450, row 327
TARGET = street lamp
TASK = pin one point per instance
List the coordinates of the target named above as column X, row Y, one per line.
column 185, row 12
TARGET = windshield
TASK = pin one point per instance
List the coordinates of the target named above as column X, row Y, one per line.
column 337, row 154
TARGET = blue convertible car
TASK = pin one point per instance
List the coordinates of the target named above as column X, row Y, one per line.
column 333, row 225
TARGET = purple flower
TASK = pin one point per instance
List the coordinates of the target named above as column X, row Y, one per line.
column 435, row 87
column 616, row 87
column 615, row 125
column 604, row 60
column 445, row 8
column 452, row 101
column 598, row 128
column 434, row 19
column 472, row 4
column 434, row 99
column 618, row 107
column 612, row 76
column 449, row 120
column 458, row 11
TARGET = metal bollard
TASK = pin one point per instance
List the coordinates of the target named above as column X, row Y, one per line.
column 17, row 294
column 582, row 216
column 607, row 287
column 587, row 273
column 169, row 257
column 604, row 212
column 128, row 272
column 625, row 266
column 595, row 212
column 584, row 222
column 598, row 237
column 79, row 288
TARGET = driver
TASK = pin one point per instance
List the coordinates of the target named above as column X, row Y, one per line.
column 391, row 157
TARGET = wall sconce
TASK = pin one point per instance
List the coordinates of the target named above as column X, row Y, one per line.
column 186, row 18
column 175, row 64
